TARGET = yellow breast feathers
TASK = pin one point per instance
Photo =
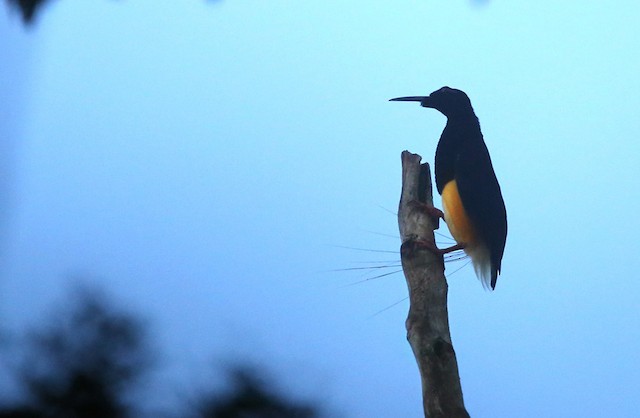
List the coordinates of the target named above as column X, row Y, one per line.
column 456, row 217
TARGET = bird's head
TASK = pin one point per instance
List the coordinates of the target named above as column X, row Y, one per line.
column 450, row 102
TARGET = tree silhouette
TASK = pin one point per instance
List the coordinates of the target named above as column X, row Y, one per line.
column 83, row 363
column 250, row 397
column 27, row 8
column 30, row 9
column 87, row 359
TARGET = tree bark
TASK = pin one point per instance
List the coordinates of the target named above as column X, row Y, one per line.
column 428, row 321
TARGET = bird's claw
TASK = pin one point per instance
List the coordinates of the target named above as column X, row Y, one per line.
column 430, row 210
column 431, row 246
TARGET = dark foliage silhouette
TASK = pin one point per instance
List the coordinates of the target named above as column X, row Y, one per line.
column 83, row 363
column 30, row 9
column 87, row 359
column 27, row 8
column 251, row 397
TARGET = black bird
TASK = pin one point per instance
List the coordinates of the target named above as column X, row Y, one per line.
column 471, row 198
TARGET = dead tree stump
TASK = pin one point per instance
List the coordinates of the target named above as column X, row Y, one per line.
column 428, row 320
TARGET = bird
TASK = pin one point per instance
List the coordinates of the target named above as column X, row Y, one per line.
column 473, row 206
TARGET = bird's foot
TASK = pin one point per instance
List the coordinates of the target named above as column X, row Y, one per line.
column 459, row 246
column 431, row 246
column 430, row 210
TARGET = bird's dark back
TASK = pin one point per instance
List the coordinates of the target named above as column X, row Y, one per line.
column 456, row 133
column 462, row 155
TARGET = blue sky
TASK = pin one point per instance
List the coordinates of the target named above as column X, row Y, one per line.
column 206, row 162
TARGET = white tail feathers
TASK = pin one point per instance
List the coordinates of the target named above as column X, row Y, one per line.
column 481, row 259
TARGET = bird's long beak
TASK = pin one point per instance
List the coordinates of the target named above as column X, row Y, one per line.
column 409, row 99
column 424, row 100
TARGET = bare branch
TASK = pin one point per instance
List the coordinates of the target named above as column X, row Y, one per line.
column 428, row 321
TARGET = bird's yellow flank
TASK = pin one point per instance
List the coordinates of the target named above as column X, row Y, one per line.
column 456, row 217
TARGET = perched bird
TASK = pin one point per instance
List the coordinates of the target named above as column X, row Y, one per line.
column 471, row 198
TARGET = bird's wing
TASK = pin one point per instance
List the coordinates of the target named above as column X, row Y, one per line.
column 482, row 199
